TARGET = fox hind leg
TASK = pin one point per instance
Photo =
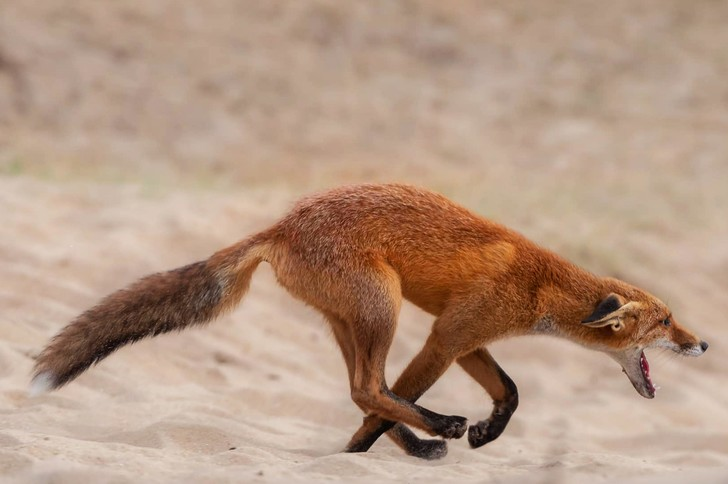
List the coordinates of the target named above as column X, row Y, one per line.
column 346, row 343
column 370, row 392
column 400, row 434
column 432, row 361
column 372, row 315
column 361, row 298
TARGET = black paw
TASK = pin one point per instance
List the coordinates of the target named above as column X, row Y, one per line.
column 478, row 434
column 416, row 447
column 485, row 431
column 429, row 449
column 452, row 427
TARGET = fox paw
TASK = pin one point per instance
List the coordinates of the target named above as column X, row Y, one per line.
column 453, row 427
column 485, row 431
column 478, row 434
column 431, row 449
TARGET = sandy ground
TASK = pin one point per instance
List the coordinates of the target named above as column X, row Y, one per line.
column 139, row 136
column 262, row 393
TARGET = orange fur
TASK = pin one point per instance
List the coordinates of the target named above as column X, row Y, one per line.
column 353, row 253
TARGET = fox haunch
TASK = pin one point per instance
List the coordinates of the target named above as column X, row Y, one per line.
column 354, row 253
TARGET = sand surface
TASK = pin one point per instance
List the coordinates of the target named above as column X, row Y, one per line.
column 137, row 137
column 262, row 393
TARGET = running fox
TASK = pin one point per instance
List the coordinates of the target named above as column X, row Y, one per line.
column 353, row 253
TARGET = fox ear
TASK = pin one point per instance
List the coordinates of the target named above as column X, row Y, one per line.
column 610, row 311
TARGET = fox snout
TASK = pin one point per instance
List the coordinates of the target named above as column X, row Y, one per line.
column 686, row 343
column 694, row 349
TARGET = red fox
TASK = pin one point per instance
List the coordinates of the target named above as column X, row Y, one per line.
column 353, row 253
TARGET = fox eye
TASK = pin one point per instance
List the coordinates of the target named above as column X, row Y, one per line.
column 666, row 322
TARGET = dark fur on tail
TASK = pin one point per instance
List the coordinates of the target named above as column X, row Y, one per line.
column 159, row 303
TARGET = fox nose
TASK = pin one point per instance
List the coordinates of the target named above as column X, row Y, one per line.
column 704, row 345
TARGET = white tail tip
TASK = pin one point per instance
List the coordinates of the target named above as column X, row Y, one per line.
column 42, row 383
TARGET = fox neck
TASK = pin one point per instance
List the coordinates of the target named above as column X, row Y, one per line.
column 562, row 308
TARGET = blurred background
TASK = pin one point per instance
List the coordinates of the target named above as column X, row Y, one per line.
column 614, row 115
column 139, row 135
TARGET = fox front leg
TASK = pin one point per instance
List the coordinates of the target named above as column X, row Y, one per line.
column 483, row 368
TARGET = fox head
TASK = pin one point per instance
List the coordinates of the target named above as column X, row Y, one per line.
column 628, row 322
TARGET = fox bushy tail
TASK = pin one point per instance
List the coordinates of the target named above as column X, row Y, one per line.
column 159, row 303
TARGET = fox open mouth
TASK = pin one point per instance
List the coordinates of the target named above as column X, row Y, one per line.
column 635, row 365
column 645, row 367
